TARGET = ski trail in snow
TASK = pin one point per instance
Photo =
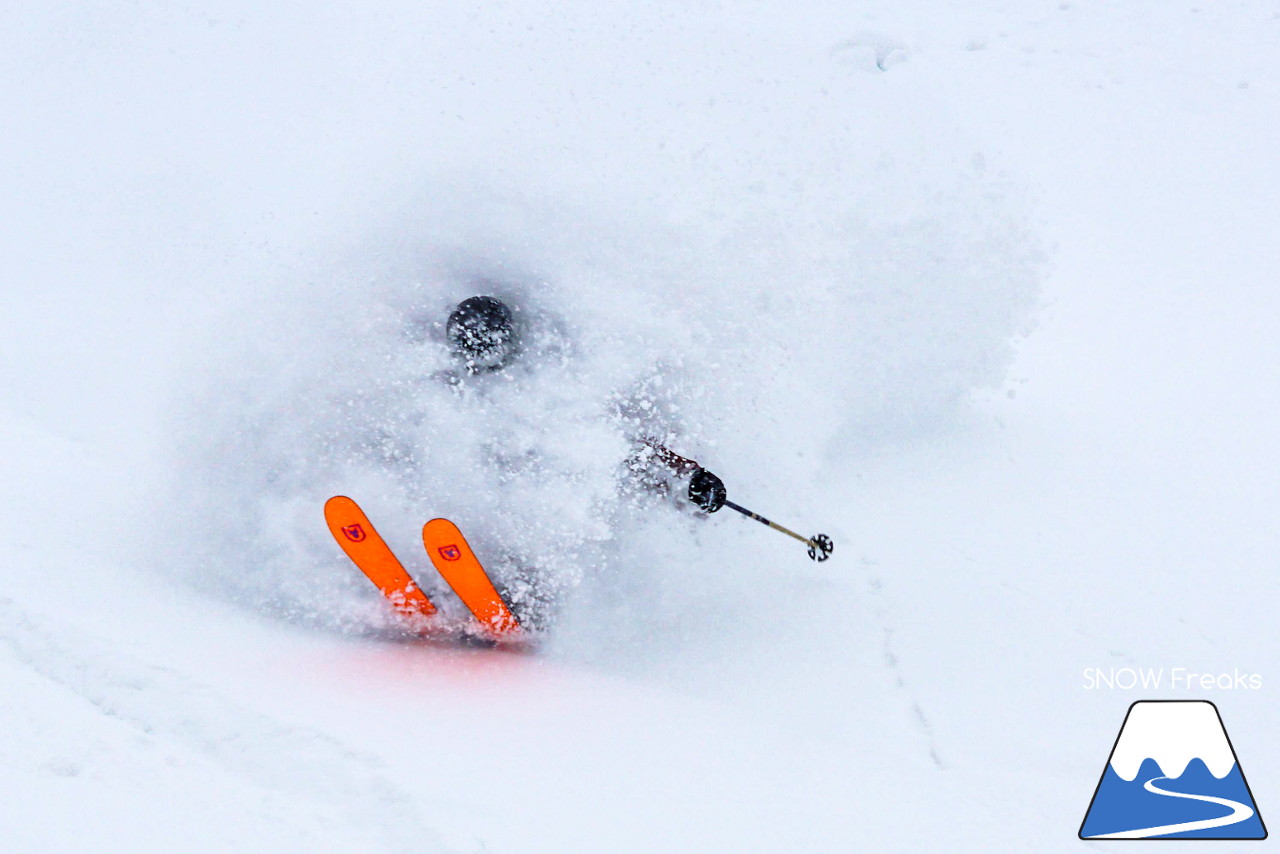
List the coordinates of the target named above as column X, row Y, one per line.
column 278, row 760
column 891, row 659
column 1239, row 812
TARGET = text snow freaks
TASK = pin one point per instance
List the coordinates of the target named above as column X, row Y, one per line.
column 1168, row 678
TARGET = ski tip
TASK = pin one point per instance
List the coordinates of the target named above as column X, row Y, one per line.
column 454, row 559
column 370, row 553
column 337, row 501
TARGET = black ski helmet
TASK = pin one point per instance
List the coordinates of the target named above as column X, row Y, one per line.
column 482, row 332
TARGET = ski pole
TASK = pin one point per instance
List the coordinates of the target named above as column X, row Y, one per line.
column 820, row 545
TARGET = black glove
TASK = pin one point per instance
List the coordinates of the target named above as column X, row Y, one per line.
column 707, row 491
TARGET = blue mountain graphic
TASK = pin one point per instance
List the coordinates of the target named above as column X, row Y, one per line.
column 1121, row 806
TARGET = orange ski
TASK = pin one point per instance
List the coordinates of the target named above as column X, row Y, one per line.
column 367, row 550
column 454, row 559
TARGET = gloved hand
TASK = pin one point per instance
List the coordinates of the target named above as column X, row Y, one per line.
column 707, row 491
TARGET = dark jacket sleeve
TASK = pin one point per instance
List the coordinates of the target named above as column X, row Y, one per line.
column 659, row 468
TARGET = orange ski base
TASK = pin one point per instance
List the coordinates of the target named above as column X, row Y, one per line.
column 457, row 563
column 367, row 550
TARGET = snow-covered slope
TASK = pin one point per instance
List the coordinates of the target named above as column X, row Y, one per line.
column 232, row 234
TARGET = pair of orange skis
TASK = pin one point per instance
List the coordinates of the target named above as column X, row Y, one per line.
column 449, row 553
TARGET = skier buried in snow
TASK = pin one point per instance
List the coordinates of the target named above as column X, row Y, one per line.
column 528, row 582
column 482, row 334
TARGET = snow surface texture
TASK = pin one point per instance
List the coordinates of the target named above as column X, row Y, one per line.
column 812, row 239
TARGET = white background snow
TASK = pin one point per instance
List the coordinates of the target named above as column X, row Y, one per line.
column 986, row 291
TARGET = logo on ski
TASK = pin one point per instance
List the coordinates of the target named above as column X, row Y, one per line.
column 355, row 533
column 1173, row 774
column 450, row 552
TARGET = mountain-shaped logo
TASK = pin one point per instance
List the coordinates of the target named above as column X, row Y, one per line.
column 1173, row 774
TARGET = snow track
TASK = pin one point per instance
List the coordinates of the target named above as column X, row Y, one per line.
column 214, row 772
